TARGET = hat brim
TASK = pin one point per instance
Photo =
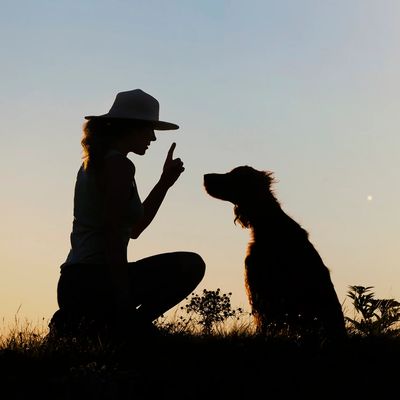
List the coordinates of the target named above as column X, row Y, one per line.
column 157, row 125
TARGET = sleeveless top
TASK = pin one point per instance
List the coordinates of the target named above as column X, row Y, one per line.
column 88, row 229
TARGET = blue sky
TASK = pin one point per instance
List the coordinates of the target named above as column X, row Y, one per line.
column 307, row 89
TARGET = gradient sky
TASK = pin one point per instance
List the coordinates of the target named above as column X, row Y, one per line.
column 308, row 89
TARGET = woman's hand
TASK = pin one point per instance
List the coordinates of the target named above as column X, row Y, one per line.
column 172, row 168
column 171, row 172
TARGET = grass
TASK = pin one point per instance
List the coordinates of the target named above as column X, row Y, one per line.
column 233, row 363
column 191, row 361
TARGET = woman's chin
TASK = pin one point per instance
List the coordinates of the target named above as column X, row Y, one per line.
column 140, row 152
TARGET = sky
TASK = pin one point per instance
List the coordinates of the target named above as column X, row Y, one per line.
column 307, row 89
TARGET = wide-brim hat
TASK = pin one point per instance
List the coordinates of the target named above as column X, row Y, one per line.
column 136, row 105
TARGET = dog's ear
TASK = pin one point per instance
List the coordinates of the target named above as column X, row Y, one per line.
column 240, row 217
column 259, row 185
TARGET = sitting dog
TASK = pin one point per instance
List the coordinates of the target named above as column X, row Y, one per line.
column 287, row 283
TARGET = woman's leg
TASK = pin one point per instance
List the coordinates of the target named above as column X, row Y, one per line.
column 162, row 281
column 84, row 294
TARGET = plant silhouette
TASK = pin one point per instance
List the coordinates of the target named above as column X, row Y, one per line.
column 211, row 308
column 376, row 316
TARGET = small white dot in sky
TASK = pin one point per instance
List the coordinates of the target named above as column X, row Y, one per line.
column 369, row 198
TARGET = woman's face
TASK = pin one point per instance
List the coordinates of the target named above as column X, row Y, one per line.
column 138, row 139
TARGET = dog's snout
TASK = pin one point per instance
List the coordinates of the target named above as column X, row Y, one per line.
column 207, row 179
column 211, row 184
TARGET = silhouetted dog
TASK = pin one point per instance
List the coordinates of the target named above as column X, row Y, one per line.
column 287, row 283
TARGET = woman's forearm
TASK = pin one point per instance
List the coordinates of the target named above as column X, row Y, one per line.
column 171, row 171
column 151, row 206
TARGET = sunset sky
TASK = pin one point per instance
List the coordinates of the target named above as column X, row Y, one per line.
column 308, row 89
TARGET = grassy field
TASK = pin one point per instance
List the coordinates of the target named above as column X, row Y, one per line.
column 231, row 365
column 228, row 361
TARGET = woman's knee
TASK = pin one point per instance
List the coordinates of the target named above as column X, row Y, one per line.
column 193, row 265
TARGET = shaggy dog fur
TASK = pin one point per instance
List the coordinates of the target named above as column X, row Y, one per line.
column 287, row 283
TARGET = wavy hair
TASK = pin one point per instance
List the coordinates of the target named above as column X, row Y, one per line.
column 98, row 136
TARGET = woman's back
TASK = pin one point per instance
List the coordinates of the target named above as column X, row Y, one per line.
column 89, row 224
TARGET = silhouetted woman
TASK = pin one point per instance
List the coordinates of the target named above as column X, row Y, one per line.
column 98, row 289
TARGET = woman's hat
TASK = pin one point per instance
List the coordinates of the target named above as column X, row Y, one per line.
column 139, row 106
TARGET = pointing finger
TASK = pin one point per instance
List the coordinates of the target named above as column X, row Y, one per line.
column 171, row 151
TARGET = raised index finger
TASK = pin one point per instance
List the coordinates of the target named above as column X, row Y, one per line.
column 171, row 151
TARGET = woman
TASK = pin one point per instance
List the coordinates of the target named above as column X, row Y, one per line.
column 98, row 289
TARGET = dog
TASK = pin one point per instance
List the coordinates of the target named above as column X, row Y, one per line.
column 288, row 285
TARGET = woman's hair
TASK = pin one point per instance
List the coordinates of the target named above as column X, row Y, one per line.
column 98, row 136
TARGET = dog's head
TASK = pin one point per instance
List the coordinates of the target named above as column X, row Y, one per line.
column 243, row 186
column 239, row 185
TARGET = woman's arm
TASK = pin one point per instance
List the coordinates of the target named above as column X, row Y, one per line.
column 171, row 171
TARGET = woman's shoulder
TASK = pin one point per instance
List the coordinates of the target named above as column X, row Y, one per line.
column 118, row 164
